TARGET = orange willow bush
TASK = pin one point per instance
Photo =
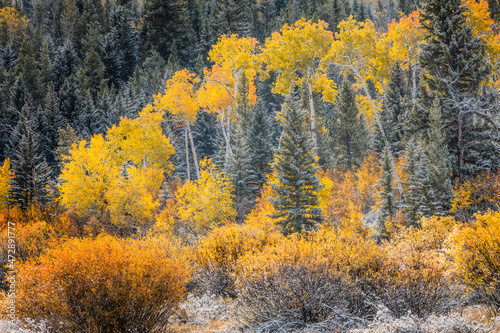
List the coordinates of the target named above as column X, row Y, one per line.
column 476, row 252
column 103, row 285
column 308, row 281
column 215, row 255
column 416, row 274
column 352, row 194
column 478, row 193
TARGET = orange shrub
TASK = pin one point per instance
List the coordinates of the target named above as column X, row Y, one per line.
column 416, row 275
column 215, row 255
column 479, row 193
column 476, row 252
column 103, row 285
column 307, row 281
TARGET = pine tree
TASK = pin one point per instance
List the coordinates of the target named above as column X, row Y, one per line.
column 27, row 70
column 452, row 57
column 438, row 168
column 454, row 64
column 91, row 74
column 296, row 184
column 348, row 130
column 166, row 21
column 32, row 173
column 393, row 114
column 65, row 64
column 412, row 201
column 388, row 207
column 260, row 138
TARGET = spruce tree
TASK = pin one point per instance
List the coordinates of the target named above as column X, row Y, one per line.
column 388, row 208
column 415, row 186
column 32, row 173
column 166, row 21
column 296, row 184
column 393, row 114
column 260, row 138
column 350, row 137
column 438, row 165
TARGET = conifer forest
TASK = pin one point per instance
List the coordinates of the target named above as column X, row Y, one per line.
column 178, row 166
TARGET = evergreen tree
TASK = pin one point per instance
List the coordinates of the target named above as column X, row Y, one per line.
column 260, row 139
column 166, row 21
column 393, row 115
column 32, row 173
column 68, row 101
column 437, row 166
column 49, row 119
column 413, row 167
column 296, row 184
column 388, row 208
column 452, row 58
column 26, row 69
column 91, row 74
column 65, row 64
column 454, row 64
column 348, row 130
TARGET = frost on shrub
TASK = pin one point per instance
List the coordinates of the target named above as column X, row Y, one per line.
column 416, row 274
column 384, row 323
column 103, row 285
column 202, row 309
column 302, row 284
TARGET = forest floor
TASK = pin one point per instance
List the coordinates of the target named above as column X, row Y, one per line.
column 209, row 314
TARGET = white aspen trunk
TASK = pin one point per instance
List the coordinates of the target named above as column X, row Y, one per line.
column 193, row 151
column 313, row 118
column 187, row 153
column 379, row 123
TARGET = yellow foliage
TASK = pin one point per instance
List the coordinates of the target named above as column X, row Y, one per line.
column 216, row 254
column 478, row 193
column 88, row 284
column 475, row 250
column 91, row 179
column 404, row 37
column 179, row 97
column 358, row 48
column 135, row 194
column 352, row 194
column 478, row 16
column 260, row 214
column 141, row 141
column 14, row 23
column 207, row 202
column 87, row 174
column 5, row 175
column 293, row 54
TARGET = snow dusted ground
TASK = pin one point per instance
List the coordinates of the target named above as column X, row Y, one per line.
column 209, row 313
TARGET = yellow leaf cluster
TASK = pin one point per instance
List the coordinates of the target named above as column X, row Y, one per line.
column 5, row 175
column 14, row 23
column 207, row 202
column 179, row 97
column 475, row 250
column 91, row 177
column 294, row 54
column 404, row 37
column 360, row 49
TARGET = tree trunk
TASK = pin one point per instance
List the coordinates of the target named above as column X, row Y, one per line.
column 193, row 151
column 313, row 118
column 187, row 153
column 381, row 128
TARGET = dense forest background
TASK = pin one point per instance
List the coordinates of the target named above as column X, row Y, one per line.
column 319, row 163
